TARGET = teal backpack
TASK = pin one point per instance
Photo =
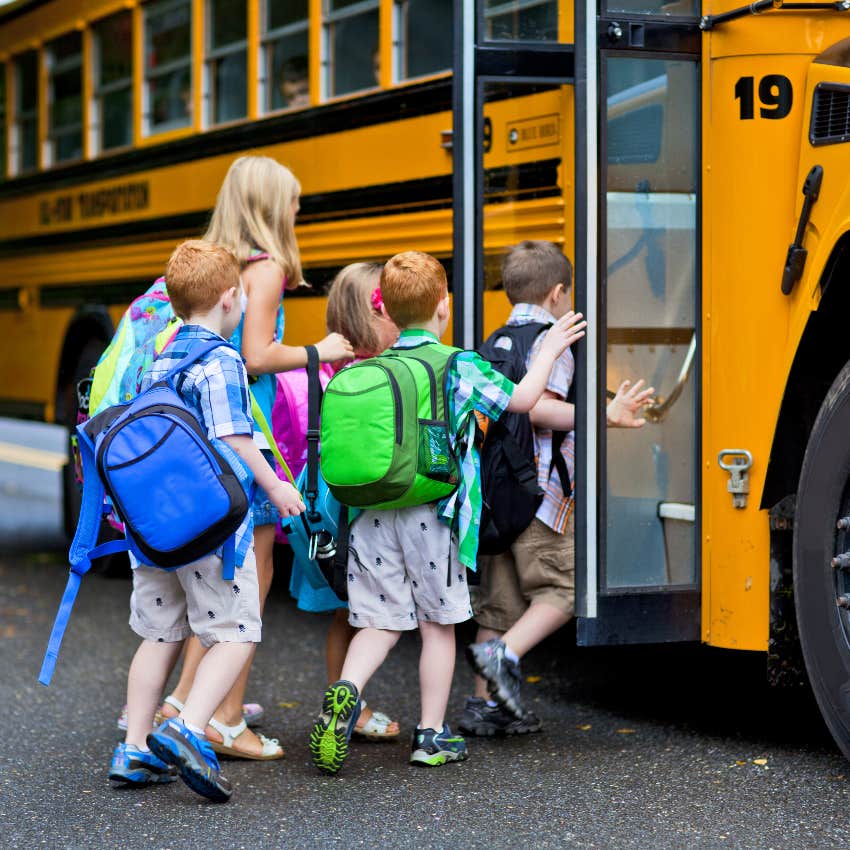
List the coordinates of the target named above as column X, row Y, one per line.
column 385, row 435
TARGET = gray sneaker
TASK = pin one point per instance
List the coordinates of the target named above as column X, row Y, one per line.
column 504, row 679
column 487, row 720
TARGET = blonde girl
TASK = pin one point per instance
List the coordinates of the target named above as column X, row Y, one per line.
column 254, row 217
column 353, row 311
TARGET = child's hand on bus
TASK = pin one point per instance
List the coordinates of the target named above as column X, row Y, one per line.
column 286, row 499
column 623, row 410
column 567, row 330
column 334, row 347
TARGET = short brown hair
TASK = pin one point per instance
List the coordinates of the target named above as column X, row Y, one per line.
column 350, row 308
column 197, row 275
column 412, row 285
column 531, row 270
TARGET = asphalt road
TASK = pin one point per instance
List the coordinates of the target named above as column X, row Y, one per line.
column 647, row 747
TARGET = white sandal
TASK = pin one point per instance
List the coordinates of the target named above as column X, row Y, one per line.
column 271, row 746
column 375, row 728
column 252, row 712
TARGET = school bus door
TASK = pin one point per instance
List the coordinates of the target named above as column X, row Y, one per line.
column 637, row 137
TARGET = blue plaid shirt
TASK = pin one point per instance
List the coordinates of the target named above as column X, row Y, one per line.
column 215, row 388
column 472, row 384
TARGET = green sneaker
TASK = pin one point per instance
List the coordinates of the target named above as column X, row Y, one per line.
column 431, row 748
column 329, row 737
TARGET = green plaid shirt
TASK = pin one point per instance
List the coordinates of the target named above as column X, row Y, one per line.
column 473, row 384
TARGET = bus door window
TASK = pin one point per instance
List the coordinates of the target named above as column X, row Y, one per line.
column 286, row 52
column 649, row 296
column 426, row 43
column 351, row 46
column 168, row 64
column 226, row 78
column 2, row 120
column 525, row 155
column 25, row 128
column 653, row 7
column 112, row 111
column 521, row 20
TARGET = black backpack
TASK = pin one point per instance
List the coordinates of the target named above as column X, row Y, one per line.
column 510, row 492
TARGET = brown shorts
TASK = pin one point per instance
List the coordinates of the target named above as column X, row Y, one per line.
column 539, row 567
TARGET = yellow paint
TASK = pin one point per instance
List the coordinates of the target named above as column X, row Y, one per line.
column 35, row 458
column 753, row 171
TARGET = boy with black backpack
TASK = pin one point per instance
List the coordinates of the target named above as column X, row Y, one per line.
column 167, row 606
column 527, row 589
column 398, row 440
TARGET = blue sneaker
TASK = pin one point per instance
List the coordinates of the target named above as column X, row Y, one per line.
column 132, row 766
column 431, row 748
column 330, row 736
column 193, row 757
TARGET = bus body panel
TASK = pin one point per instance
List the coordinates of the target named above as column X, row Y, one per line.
column 753, row 171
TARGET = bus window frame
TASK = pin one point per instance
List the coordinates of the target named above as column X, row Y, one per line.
column 266, row 77
column 18, row 115
column 212, row 55
column 52, row 67
column 329, row 20
column 98, row 91
column 4, row 119
column 167, row 131
column 482, row 18
column 399, row 51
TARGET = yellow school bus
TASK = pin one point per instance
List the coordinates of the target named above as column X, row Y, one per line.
column 691, row 159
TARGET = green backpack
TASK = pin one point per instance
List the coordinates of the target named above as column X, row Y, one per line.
column 385, row 435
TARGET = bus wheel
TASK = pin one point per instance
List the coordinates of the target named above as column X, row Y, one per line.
column 822, row 559
column 71, row 496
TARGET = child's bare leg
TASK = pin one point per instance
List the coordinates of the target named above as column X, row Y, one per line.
column 340, row 635
column 149, row 671
column 436, row 668
column 195, row 651
column 537, row 623
column 484, row 634
column 216, row 674
column 229, row 712
column 367, row 652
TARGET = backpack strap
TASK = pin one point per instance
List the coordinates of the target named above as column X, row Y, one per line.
column 194, row 355
column 82, row 552
column 263, row 424
column 314, row 390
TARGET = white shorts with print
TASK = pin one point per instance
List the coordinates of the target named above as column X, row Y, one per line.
column 168, row 606
column 399, row 562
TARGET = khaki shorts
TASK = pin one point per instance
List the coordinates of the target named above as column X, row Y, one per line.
column 398, row 564
column 539, row 567
column 168, row 606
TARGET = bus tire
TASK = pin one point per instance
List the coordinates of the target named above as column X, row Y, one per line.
column 823, row 497
column 113, row 565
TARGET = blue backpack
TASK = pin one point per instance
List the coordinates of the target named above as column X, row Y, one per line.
column 180, row 495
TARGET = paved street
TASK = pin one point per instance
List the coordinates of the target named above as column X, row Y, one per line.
column 660, row 747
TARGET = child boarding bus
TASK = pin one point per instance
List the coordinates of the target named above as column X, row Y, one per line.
column 691, row 159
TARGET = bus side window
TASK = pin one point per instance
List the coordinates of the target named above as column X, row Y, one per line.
column 286, row 57
column 168, row 64
column 112, row 112
column 25, row 128
column 521, row 20
column 2, row 121
column 351, row 47
column 65, row 92
column 426, row 44
column 226, row 86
